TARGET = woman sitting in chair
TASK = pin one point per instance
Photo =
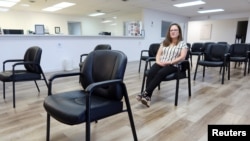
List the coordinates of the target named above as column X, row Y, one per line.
column 172, row 50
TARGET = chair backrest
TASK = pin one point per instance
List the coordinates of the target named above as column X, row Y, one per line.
column 103, row 47
column 189, row 45
column 101, row 65
column 196, row 47
column 153, row 48
column 206, row 45
column 238, row 50
column 33, row 54
column 215, row 52
column 185, row 66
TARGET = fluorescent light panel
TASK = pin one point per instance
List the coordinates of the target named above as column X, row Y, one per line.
column 58, row 6
column 106, row 21
column 198, row 2
column 96, row 14
column 8, row 3
column 209, row 11
column 4, row 9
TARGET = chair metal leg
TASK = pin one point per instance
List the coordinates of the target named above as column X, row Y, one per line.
column 203, row 74
column 189, row 83
column 228, row 73
column 195, row 71
column 130, row 115
column 37, row 86
column 245, row 68
column 3, row 90
column 223, row 72
column 176, row 92
column 14, row 95
column 143, row 83
column 139, row 66
column 48, row 128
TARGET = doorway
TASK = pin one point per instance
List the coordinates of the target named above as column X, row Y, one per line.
column 75, row 28
column 241, row 32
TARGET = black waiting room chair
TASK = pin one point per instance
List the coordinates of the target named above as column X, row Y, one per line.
column 102, row 95
column 98, row 47
column 239, row 53
column 215, row 55
column 196, row 49
column 183, row 72
column 151, row 52
column 30, row 71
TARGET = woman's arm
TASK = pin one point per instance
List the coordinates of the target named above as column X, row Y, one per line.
column 158, row 56
column 181, row 57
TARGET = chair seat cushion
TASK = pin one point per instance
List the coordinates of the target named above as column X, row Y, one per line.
column 238, row 59
column 195, row 53
column 70, row 107
column 144, row 57
column 172, row 76
column 211, row 63
column 20, row 75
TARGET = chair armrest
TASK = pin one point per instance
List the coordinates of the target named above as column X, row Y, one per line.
column 23, row 63
column 199, row 55
column 59, row 75
column 183, row 62
column 144, row 51
column 149, row 59
column 248, row 54
column 226, row 57
column 11, row 60
column 83, row 55
column 95, row 85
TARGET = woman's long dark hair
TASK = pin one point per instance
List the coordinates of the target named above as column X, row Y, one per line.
column 168, row 39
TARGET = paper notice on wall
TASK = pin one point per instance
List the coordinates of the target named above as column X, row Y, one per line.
column 205, row 32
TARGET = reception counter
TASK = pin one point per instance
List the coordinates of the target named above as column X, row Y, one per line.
column 60, row 48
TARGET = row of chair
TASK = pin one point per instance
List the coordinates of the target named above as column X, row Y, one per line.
column 220, row 55
column 103, row 90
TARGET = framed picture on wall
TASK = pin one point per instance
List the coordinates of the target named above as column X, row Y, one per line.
column 57, row 30
column 39, row 29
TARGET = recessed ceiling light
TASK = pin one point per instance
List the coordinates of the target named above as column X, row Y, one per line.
column 96, row 14
column 58, row 6
column 4, row 9
column 8, row 3
column 209, row 11
column 106, row 21
column 192, row 3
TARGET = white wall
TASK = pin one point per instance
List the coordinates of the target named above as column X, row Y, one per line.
column 152, row 24
column 222, row 30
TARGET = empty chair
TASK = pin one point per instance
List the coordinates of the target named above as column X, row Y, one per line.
column 196, row 49
column 215, row 55
column 222, row 42
column 102, row 95
column 32, row 70
column 239, row 54
column 98, row 47
column 151, row 52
